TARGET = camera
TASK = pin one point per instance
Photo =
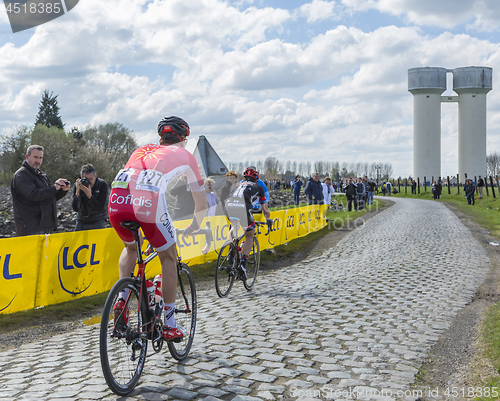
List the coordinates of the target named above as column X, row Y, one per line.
column 85, row 181
column 67, row 182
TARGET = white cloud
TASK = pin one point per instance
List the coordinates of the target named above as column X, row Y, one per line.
column 318, row 10
column 477, row 14
column 239, row 76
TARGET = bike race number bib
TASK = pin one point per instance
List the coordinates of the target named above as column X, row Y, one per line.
column 149, row 180
column 123, row 178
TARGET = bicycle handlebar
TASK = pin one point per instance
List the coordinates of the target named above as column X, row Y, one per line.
column 151, row 252
column 206, row 231
column 261, row 223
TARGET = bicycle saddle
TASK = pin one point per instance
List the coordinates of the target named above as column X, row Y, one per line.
column 131, row 225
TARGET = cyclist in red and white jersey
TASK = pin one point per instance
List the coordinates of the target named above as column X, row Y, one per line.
column 138, row 194
column 239, row 207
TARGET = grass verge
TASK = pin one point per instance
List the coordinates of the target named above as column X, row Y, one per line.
column 81, row 307
column 490, row 339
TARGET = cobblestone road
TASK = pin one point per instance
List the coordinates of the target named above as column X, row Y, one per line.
column 356, row 322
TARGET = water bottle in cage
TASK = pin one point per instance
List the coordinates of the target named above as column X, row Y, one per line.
column 151, row 294
column 158, row 296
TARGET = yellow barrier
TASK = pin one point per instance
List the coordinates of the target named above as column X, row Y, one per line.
column 43, row 270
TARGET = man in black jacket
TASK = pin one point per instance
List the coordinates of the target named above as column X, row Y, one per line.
column 231, row 178
column 351, row 195
column 314, row 190
column 90, row 196
column 184, row 203
column 34, row 196
column 480, row 186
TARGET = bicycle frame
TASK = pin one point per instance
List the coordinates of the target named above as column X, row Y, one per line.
column 141, row 263
column 140, row 279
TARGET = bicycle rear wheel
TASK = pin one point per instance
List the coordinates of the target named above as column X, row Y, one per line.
column 253, row 264
column 185, row 312
column 224, row 269
column 123, row 345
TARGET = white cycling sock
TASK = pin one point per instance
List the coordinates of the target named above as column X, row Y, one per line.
column 169, row 314
column 124, row 294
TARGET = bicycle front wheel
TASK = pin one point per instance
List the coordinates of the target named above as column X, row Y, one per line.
column 123, row 344
column 253, row 264
column 224, row 269
column 185, row 312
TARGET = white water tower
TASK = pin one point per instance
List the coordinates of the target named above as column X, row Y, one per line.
column 472, row 84
column 427, row 85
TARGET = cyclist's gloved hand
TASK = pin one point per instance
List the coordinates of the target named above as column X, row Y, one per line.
column 269, row 223
column 192, row 228
column 189, row 230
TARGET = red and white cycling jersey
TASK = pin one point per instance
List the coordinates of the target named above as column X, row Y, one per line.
column 138, row 192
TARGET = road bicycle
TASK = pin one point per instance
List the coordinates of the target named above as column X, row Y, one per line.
column 335, row 206
column 227, row 268
column 124, row 338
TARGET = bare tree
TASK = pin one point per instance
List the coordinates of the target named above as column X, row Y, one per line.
column 319, row 167
column 493, row 163
column 386, row 171
column 335, row 171
column 271, row 167
column 307, row 169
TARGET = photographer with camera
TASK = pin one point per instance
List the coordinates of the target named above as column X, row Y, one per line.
column 90, row 197
column 34, row 196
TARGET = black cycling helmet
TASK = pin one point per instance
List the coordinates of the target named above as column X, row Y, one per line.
column 251, row 173
column 173, row 128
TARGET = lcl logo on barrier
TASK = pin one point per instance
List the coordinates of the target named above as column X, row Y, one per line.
column 6, row 273
column 302, row 218
column 28, row 14
column 77, row 258
column 186, row 240
column 221, row 232
column 317, row 215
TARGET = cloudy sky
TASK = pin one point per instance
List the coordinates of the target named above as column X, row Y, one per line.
column 297, row 80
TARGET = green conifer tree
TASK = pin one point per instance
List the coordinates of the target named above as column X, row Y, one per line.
column 48, row 111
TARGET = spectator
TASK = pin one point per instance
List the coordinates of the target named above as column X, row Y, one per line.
column 370, row 190
column 439, row 187
column 388, row 187
column 469, row 191
column 34, row 196
column 231, row 178
column 90, row 196
column 434, row 190
column 480, row 186
column 256, row 204
column 297, row 185
column 327, row 191
column 351, row 194
column 212, row 198
column 314, row 191
column 360, row 190
column 413, row 187
column 184, row 204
